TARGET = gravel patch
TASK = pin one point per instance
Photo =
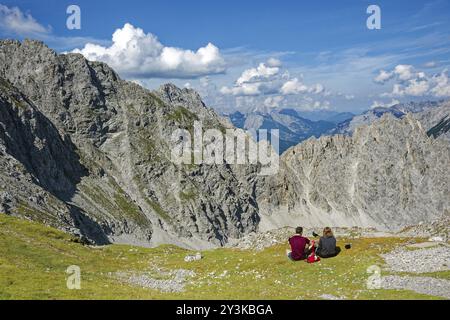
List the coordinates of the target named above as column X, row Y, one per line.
column 419, row 260
column 425, row 285
column 422, row 245
column 172, row 281
column 196, row 257
column 439, row 228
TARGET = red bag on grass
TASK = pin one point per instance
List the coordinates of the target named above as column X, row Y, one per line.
column 313, row 257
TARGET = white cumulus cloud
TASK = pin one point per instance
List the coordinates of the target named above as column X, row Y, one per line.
column 378, row 104
column 404, row 72
column 417, row 87
column 13, row 20
column 267, row 79
column 412, row 83
column 401, row 72
column 260, row 73
column 317, row 89
column 135, row 53
column 383, row 76
column 273, row 102
column 273, row 62
column 442, row 87
column 293, row 86
column 246, row 89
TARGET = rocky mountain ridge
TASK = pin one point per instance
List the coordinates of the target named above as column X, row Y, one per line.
column 386, row 175
column 429, row 113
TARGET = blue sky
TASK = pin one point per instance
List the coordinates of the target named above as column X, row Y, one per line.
column 263, row 54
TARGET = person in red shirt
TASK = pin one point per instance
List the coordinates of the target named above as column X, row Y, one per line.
column 299, row 245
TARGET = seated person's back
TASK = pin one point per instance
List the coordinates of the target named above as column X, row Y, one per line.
column 327, row 244
column 298, row 245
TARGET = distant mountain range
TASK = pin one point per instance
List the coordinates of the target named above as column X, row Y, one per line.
column 398, row 111
column 293, row 126
column 326, row 115
column 296, row 126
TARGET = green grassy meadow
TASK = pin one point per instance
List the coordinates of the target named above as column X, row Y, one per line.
column 34, row 259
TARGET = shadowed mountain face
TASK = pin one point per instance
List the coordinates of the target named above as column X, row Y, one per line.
column 26, row 135
column 40, row 169
column 89, row 153
column 293, row 128
column 441, row 129
column 436, row 121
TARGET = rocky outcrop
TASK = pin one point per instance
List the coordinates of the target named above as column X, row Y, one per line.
column 387, row 175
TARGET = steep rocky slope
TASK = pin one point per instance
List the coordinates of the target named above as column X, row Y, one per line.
column 387, row 175
column 119, row 133
column 38, row 167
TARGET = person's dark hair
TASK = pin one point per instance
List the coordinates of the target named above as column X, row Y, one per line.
column 327, row 232
column 299, row 230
